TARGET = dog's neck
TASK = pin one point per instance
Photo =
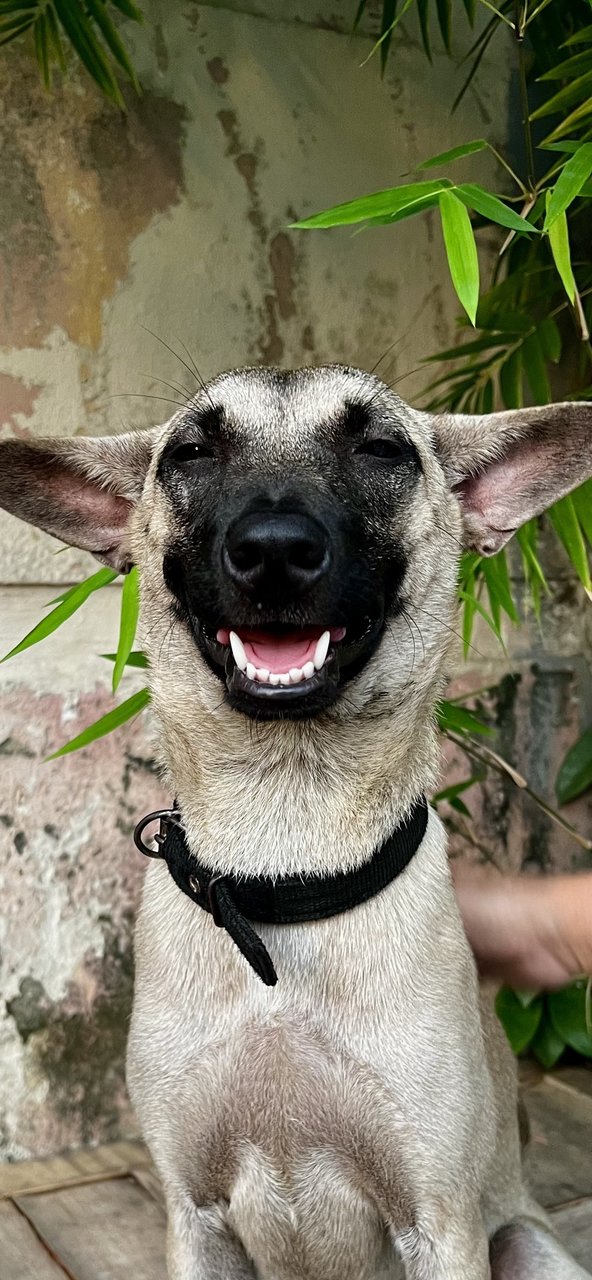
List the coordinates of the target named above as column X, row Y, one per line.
column 299, row 797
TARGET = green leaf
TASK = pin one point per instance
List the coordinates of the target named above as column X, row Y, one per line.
column 131, row 10
column 569, row 67
column 565, row 522
column 134, row 659
column 559, row 242
column 511, row 381
column 112, row 38
column 112, row 720
column 497, row 580
column 550, row 339
column 455, row 719
column 547, row 1045
column 455, row 153
column 577, row 118
column 475, row 197
column 471, row 10
column 562, row 101
column 488, row 343
column 423, row 12
column 130, row 608
column 389, row 14
column 579, row 37
column 54, row 37
column 575, row 774
column 68, row 605
column 461, row 251
column 379, row 204
column 7, row 35
column 82, row 36
column 568, row 1014
column 582, row 500
column 574, row 174
column 520, row 1023
column 535, row 369
column 41, row 34
column 568, row 146
column 444, row 11
column 454, row 791
column 408, row 211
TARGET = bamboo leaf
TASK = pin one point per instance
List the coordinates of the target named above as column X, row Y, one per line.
column 106, row 724
column 131, row 10
column 575, row 773
column 64, row 610
column 461, row 251
column 457, row 719
column 455, row 153
column 536, row 370
column 511, row 381
column 42, row 42
column 576, row 119
column 475, row 197
column 134, row 659
column 112, row 38
column 81, row 35
column 559, row 242
column 566, row 98
column 444, row 11
column 130, row 608
column 566, row 524
column 423, row 11
column 574, row 174
column 470, row 10
column 580, row 62
column 379, row 204
column 582, row 500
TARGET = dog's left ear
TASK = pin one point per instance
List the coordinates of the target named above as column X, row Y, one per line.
column 506, row 467
column 81, row 490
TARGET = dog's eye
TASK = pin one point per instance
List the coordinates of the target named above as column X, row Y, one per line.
column 190, row 452
column 386, row 450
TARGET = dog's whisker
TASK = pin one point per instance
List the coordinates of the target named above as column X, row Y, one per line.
column 179, row 387
column 145, row 395
column 174, row 353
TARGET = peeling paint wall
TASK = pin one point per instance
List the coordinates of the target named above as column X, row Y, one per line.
column 174, row 219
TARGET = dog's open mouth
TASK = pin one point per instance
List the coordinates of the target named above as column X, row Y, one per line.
column 276, row 670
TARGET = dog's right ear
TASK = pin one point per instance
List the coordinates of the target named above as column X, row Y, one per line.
column 81, row 490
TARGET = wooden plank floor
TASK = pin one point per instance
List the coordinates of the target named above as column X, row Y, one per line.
column 98, row 1214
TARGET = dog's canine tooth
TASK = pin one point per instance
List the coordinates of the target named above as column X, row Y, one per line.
column 262, row 674
column 322, row 649
column 308, row 670
column 238, row 651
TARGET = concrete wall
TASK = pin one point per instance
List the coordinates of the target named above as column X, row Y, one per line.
column 174, row 217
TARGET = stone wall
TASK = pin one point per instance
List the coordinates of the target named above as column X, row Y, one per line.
column 173, row 218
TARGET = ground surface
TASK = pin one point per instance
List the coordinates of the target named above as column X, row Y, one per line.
column 98, row 1214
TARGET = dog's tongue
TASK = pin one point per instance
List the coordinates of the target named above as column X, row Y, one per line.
column 280, row 653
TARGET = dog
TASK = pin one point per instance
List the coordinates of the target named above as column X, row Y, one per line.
column 298, row 536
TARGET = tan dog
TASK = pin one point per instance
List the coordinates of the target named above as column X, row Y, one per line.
column 363, row 1110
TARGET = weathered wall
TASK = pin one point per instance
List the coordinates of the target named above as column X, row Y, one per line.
column 174, row 217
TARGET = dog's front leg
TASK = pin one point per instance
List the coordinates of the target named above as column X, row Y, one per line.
column 459, row 1250
column 200, row 1245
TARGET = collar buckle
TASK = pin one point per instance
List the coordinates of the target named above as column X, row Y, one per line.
column 167, row 818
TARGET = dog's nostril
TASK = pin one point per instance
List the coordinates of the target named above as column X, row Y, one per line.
column 292, row 548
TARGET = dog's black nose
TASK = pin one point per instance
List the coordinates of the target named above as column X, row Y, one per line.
column 273, row 552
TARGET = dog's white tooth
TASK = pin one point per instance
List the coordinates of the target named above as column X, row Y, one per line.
column 308, row 670
column 273, row 678
column 250, row 671
column 322, row 649
column 238, row 651
column 295, row 675
column 285, row 679
column 262, row 674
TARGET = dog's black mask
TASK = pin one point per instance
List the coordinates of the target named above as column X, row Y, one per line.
column 286, row 563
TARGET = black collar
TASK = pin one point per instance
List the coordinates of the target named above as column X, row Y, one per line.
column 291, row 900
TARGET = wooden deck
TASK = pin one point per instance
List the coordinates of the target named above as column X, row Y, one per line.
column 98, row 1214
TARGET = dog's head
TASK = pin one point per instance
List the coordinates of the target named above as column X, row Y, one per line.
column 292, row 527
